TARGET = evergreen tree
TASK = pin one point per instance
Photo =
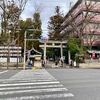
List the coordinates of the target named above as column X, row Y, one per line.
column 24, row 25
column 74, row 46
column 34, row 31
column 37, row 29
column 54, row 25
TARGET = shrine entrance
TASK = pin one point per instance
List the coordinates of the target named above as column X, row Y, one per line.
column 54, row 45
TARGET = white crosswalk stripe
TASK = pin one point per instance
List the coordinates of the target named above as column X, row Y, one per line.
column 29, row 87
column 41, row 97
column 36, row 89
column 28, row 83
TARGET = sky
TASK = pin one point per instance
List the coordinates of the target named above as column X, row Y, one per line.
column 46, row 9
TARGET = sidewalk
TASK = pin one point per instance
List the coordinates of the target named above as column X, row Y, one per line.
column 90, row 65
column 52, row 65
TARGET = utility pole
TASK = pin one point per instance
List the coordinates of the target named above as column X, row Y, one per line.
column 44, row 57
column 17, row 52
column 61, row 50
column 8, row 56
column 69, row 58
column 24, row 65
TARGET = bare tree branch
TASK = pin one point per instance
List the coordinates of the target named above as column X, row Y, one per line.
column 86, row 19
column 38, row 6
column 12, row 10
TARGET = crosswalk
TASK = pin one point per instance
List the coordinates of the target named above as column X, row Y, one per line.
column 36, row 89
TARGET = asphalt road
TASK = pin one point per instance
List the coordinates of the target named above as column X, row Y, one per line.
column 31, row 85
column 83, row 83
column 6, row 74
column 50, row 84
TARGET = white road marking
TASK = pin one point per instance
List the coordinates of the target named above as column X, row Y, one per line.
column 37, row 83
column 34, row 91
column 31, row 87
column 3, row 72
column 39, row 97
column 29, row 74
column 31, row 83
column 14, row 80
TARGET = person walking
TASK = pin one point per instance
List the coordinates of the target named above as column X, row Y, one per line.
column 62, row 61
column 30, row 64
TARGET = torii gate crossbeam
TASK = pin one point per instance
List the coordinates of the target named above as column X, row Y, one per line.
column 53, row 44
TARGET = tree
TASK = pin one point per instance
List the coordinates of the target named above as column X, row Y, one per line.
column 25, row 25
column 37, row 29
column 92, row 36
column 54, row 25
column 11, row 11
column 33, row 29
column 82, row 26
column 75, row 47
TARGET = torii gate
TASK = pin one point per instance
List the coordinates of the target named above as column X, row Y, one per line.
column 53, row 44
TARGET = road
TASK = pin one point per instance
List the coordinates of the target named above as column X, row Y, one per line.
column 31, row 85
column 50, row 84
column 83, row 83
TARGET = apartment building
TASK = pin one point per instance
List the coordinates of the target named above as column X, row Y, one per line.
column 83, row 20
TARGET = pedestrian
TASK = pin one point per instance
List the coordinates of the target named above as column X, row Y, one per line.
column 71, row 63
column 56, row 62
column 30, row 64
column 43, row 63
column 74, row 63
column 62, row 61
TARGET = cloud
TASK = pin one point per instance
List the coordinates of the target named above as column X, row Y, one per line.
column 47, row 9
